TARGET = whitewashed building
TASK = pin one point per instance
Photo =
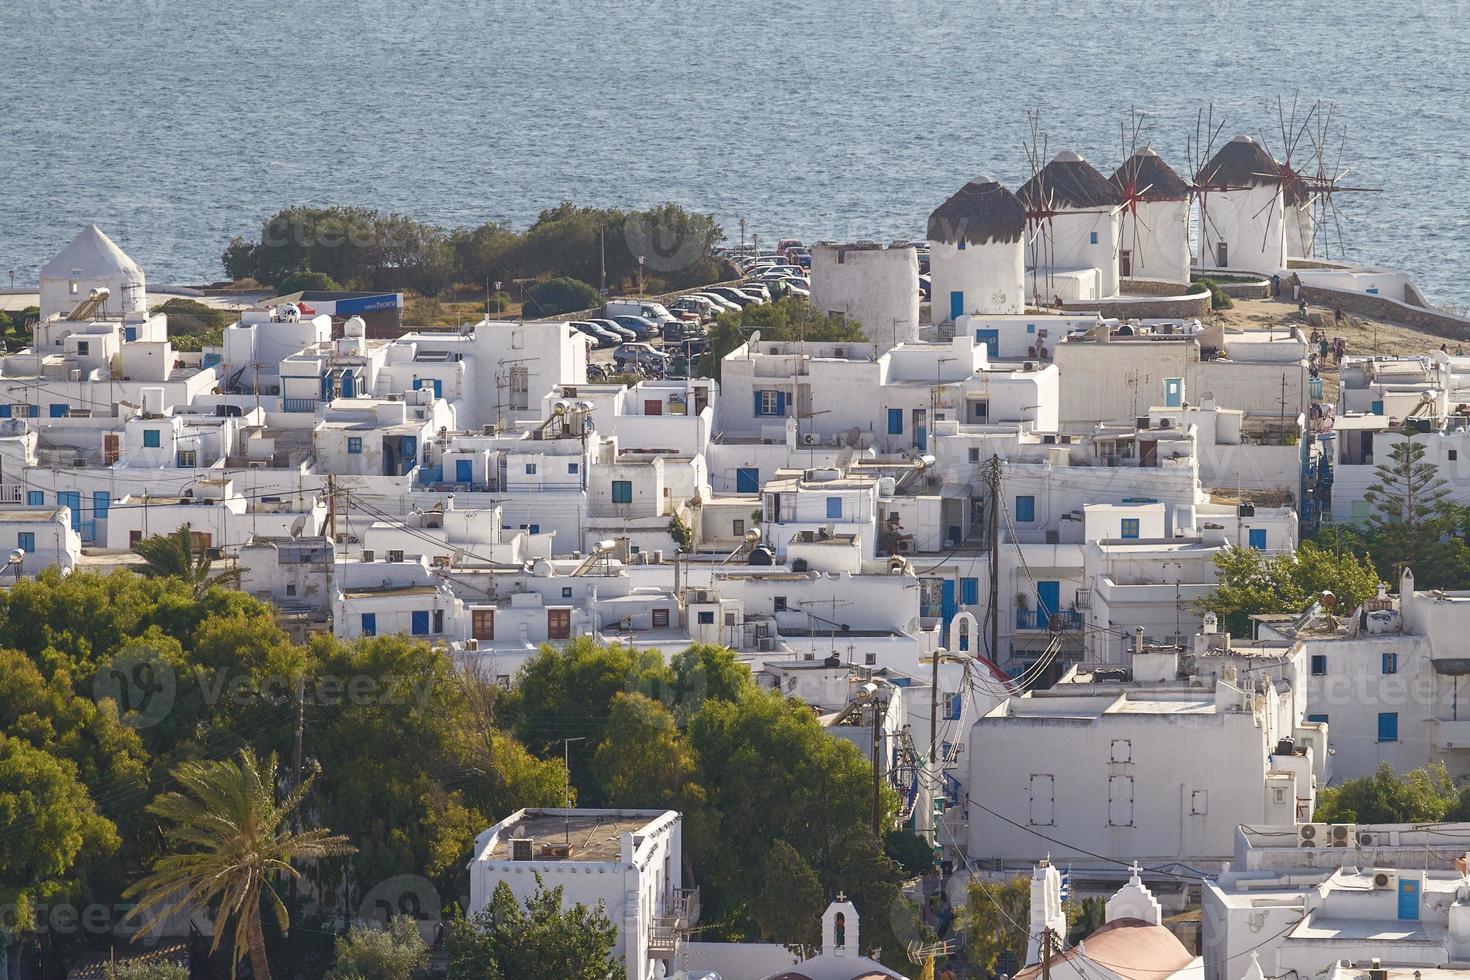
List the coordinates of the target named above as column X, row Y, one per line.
column 1153, row 235
column 977, row 260
column 1075, row 227
column 1242, row 210
column 876, row 286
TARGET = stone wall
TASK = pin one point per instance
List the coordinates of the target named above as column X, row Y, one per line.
column 1390, row 311
column 1194, row 305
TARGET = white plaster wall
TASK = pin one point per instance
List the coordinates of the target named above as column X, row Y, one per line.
column 1159, row 240
column 877, row 287
column 992, row 277
column 1255, row 238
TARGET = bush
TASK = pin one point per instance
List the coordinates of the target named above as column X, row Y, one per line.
column 193, row 325
column 560, row 295
column 300, row 282
column 909, row 851
column 499, row 302
column 1218, row 299
column 149, row 971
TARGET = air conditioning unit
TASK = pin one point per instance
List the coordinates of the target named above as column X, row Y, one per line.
column 700, row 595
column 811, row 439
column 1385, row 880
column 367, row 554
column 522, row 848
column 395, row 555
column 258, row 464
column 766, row 644
column 1340, row 835
column 1372, row 838
column 1312, row 835
column 472, row 645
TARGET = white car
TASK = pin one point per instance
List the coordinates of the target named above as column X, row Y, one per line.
column 724, row 303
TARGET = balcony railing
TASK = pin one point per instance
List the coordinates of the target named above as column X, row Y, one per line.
column 1039, row 619
column 299, row 404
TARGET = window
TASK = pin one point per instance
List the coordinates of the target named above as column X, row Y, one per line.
column 59, row 411
column 1122, row 750
column 870, row 659
column 1317, row 718
column 152, row 438
column 1199, row 803
column 1319, row 665
column 1390, row 663
column 737, row 528
column 974, row 454
column 566, row 591
column 834, row 508
column 959, row 247
column 354, row 445
column 101, row 503
column 5, row 411
column 35, row 498
column 84, row 347
column 1130, row 527
column 530, row 469
column 420, row 622
column 26, row 541
column 622, row 491
column 970, row 591
column 660, row 619
column 1030, row 328
column 1026, row 508
column 778, row 603
column 291, row 589
column 369, row 624
column 895, row 421
column 1092, row 238
column 1388, row 726
column 572, row 467
column 1454, row 455
column 707, row 617
column 770, row 403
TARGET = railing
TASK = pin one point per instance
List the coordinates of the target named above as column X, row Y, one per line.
column 299, row 404
column 1038, row 619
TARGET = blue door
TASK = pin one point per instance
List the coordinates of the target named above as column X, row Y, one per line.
column 72, row 499
column 349, row 385
column 420, row 622
column 1408, row 899
column 1048, row 598
column 947, row 607
column 1173, row 392
column 1376, row 408
column 956, row 304
column 369, row 624
column 1258, row 539
column 748, row 479
column 990, row 339
column 464, row 471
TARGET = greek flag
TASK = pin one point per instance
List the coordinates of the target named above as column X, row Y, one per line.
column 1066, row 892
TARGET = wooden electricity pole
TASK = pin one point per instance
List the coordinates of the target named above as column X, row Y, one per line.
column 992, row 613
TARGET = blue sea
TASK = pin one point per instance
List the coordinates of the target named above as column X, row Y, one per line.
column 177, row 124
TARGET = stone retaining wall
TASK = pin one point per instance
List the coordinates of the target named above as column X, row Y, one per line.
column 1439, row 323
column 1193, row 305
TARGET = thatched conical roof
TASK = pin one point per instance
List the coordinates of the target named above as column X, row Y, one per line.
column 1240, row 163
column 1150, row 177
column 1069, row 182
column 979, row 213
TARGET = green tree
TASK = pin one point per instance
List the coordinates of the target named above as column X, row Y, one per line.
column 48, row 822
column 644, row 761
column 783, row 320
column 1413, row 522
column 228, row 843
column 1084, row 918
column 553, row 297
column 177, row 556
column 1424, row 795
column 507, row 940
column 481, row 254
column 909, row 851
column 395, row 953
column 995, row 919
column 193, row 325
column 791, row 901
column 307, row 281
column 1252, row 583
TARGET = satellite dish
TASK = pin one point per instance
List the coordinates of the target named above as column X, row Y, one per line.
column 852, row 437
column 297, row 526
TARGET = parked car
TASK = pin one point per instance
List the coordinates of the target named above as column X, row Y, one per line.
column 724, row 303
column 640, row 355
column 642, row 328
column 673, row 333
column 616, row 329
column 699, row 305
column 605, row 338
column 735, row 295
column 655, row 312
column 756, row 289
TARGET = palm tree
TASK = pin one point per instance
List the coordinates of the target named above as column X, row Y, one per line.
column 228, row 841
column 175, row 555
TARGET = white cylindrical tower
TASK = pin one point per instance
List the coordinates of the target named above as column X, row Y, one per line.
column 1154, row 226
column 93, row 261
column 977, row 260
column 876, row 286
column 1076, row 223
column 1242, row 210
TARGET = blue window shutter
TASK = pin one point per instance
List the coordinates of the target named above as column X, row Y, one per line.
column 420, row 622
column 781, row 403
column 970, row 591
column 895, row 421
column 834, row 508
column 1257, row 538
column 463, row 471
column 1388, row 726
column 26, row 540
column 35, row 498
column 1025, row 508
column 758, row 411
column 101, row 502
column 5, row 411
column 369, row 624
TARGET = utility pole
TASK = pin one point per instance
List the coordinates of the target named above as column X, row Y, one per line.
column 602, row 282
column 296, row 746
column 992, row 615
column 1046, row 954
column 332, row 509
column 877, row 781
column 566, row 764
